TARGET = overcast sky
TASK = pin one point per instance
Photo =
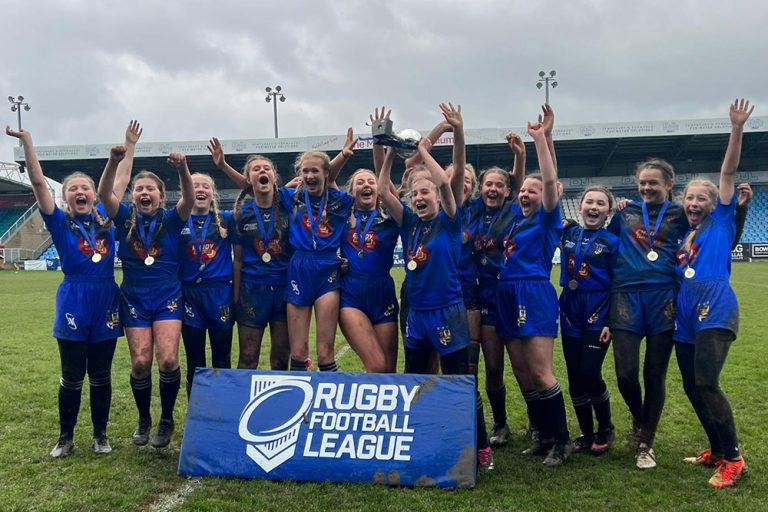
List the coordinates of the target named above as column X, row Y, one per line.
column 191, row 69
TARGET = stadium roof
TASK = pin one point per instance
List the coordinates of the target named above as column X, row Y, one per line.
column 586, row 150
column 11, row 181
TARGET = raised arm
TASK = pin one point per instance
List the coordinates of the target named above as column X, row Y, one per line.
column 184, row 207
column 547, row 120
column 453, row 117
column 433, row 136
column 125, row 167
column 340, row 160
column 518, row 166
column 217, row 154
column 39, row 184
column 546, row 165
column 742, row 207
column 378, row 150
column 107, row 182
column 439, row 177
column 739, row 113
column 390, row 201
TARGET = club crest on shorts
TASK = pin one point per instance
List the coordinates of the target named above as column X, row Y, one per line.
column 272, row 440
column 444, row 335
column 71, row 321
column 389, row 310
column 670, row 309
column 189, row 311
column 113, row 319
column 224, row 313
column 522, row 316
column 172, row 305
column 295, row 287
column 702, row 311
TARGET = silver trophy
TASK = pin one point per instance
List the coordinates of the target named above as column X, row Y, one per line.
column 405, row 142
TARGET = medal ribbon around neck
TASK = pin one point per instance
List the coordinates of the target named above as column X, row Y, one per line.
column 517, row 226
column 362, row 233
column 578, row 254
column 688, row 249
column 269, row 230
column 148, row 236
column 314, row 223
column 417, row 232
column 484, row 241
column 199, row 243
column 647, row 223
column 90, row 235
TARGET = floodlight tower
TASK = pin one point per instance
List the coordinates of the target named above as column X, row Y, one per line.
column 545, row 81
column 17, row 105
column 272, row 95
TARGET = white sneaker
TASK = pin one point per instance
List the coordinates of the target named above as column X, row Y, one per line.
column 644, row 457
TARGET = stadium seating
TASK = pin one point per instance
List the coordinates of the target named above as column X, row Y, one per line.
column 8, row 216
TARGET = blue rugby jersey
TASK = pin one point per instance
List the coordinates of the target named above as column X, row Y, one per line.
column 529, row 244
column 435, row 282
column 491, row 228
column 707, row 249
column 374, row 256
column 164, row 246
column 633, row 269
column 75, row 251
column 598, row 253
column 249, row 236
column 216, row 252
column 327, row 232
column 469, row 213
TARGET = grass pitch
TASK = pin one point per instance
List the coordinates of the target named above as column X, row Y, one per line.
column 143, row 479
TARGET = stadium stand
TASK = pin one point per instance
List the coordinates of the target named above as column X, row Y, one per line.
column 8, row 216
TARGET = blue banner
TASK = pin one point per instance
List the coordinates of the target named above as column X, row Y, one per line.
column 393, row 429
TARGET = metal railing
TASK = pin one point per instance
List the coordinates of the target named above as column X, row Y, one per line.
column 16, row 226
column 40, row 249
column 13, row 255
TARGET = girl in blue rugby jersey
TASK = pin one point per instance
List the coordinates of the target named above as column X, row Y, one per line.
column 205, row 271
column 261, row 256
column 527, row 301
column 643, row 299
column 587, row 256
column 498, row 193
column 87, row 321
column 708, row 311
column 368, row 313
column 150, row 301
column 437, row 319
column 318, row 213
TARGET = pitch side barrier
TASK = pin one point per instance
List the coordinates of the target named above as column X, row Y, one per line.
column 392, row 429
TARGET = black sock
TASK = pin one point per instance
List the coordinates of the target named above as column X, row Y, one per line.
column 474, row 357
column 101, row 400
column 482, row 434
column 553, row 409
column 498, row 400
column 298, row 366
column 329, row 367
column 69, row 405
column 602, row 406
column 533, row 405
column 170, row 382
column 142, row 395
column 583, row 408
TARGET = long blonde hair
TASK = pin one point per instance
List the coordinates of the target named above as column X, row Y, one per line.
column 101, row 220
column 214, row 203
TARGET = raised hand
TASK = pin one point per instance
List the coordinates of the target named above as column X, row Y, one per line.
column 117, row 153
column 133, row 133
column 379, row 114
column 516, row 144
column 217, row 152
column 740, row 112
column 23, row 135
column 178, row 161
column 547, row 118
column 348, row 150
column 536, row 130
column 452, row 116
column 425, row 145
column 745, row 194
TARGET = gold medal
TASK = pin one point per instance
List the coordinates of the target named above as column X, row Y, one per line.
column 96, row 257
column 652, row 255
column 689, row 273
column 266, row 257
column 573, row 284
column 412, row 265
column 149, row 260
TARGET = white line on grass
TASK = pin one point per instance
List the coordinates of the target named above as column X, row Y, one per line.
column 169, row 501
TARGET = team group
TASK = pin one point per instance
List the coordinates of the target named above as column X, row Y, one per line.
column 478, row 251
